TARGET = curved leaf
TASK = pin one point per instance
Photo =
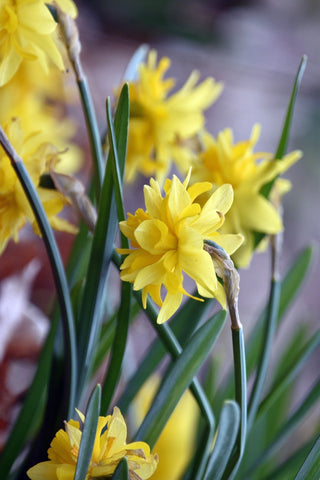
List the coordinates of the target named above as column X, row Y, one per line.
column 88, row 435
column 225, row 440
column 179, row 378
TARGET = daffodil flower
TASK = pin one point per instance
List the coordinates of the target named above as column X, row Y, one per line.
column 27, row 31
column 223, row 161
column 109, row 448
column 167, row 242
column 163, row 124
column 15, row 209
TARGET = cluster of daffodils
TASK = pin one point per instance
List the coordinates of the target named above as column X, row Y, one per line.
column 28, row 33
column 219, row 198
column 109, row 448
column 223, row 203
column 30, row 59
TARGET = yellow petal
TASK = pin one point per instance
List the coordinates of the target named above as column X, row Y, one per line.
column 258, row 214
column 170, row 305
column 43, row 470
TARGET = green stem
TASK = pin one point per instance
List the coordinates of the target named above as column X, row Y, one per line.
column 93, row 132
column 73, row 46
column 57, row 270
column 270, row 328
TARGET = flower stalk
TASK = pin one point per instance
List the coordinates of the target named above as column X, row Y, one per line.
column 71, row 38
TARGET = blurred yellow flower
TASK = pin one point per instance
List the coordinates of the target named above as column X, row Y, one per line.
column 162, row 125
column 222, row 161
column 175, row 445
column 27, row 31
column 167, row 241
column 29, row 96
column 15, row 210
column 109, row 448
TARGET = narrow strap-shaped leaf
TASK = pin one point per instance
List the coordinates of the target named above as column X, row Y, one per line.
column 227, row 433
column 182, row 324
column 179, row 378
column 113, row 157
column 88, row 435
column 290, row 465
column 29, row 411
column 284, row 137
column 174, row 348
column 283, row 142
column 102, row 245
column 122, row 470
column 310, row 469
column 290, row 286
column 118, row 347
column 123, row 320
column 277, row 388
column 271, row 323
column 57, row 270
column 293, row 421
column 93, row 132
column 240, row 378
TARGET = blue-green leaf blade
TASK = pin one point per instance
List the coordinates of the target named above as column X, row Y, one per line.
column 225, row 440
column 88, row 435
column 179, row 378
column 310, row 469
column 122, row 470
column 29, row 411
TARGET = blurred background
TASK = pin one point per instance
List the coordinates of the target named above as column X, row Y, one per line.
column 254, row 48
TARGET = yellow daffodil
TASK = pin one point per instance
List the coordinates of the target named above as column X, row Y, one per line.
column 162, row 124
column 222, row 161
column 14, row 206
column 24, row 98
column 167, row 242
column 109, row 448
column 175, row 445
column 27, row 33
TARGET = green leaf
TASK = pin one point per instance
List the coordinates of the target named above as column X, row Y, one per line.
column 123, row 320
column 107, row 332
column 280, row 384
column 183, row 324
column 102, row 247
column 293, row 421
column 283, row 142
column 227, row 433
column 30, row 409
column 179, row 377
column 113, row 157
column 240, row 378
column 122, row 470
column 310, row 469
column 270, row 327
column 284, row 138
column 288, row 468
column 290, row 286
column 118, row 347
column 88, row 435
column 57, row 268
